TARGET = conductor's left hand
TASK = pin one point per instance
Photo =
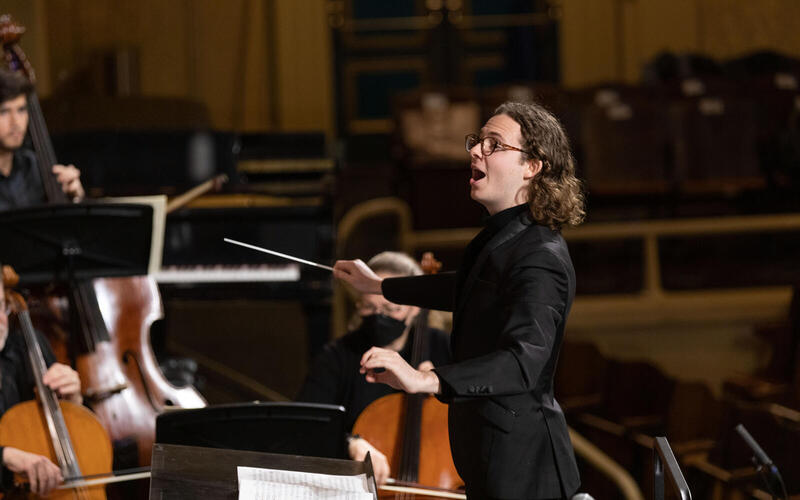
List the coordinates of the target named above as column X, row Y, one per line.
column 386, row 366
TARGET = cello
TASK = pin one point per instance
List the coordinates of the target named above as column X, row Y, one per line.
column 111, row 317
column 411, row 429
column 48, row 426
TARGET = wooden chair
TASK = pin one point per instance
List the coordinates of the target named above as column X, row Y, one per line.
column 726, row 472
column 635, row 401
column 580, row 377
column 714, row 141
column 779, row 381
column 626, row 148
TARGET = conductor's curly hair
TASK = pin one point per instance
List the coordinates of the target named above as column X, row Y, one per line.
column 555, row 195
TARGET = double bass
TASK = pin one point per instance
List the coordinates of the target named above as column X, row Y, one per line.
column 110, row 318
column 411, row 429
column 67, row 433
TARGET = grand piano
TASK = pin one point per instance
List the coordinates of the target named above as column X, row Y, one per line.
column 250, row 321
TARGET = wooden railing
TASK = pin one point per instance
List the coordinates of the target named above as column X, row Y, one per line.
column 650, row 304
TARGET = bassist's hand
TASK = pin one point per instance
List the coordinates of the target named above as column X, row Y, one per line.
column 70, row 179
column 42, row 474
column 65, row 381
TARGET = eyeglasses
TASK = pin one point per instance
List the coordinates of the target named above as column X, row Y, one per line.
column 488, row 144
column 365, row 309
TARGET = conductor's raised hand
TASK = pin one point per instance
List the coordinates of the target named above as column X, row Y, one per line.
column 386, row 366
column 358, row 275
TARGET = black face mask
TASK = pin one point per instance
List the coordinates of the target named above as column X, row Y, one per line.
column 380, row 329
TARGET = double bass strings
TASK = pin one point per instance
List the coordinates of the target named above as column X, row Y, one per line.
column 277, row 254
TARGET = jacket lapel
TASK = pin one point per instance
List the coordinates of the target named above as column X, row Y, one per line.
column 509, row 231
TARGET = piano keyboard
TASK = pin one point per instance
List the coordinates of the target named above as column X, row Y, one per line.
column 228, row 274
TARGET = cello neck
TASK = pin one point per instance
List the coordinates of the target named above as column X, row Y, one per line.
column 409, row 458
column 56, row 426
column 45, row 154
column 409, row 461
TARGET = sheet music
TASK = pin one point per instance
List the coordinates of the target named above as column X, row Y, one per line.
column 159, row 204
column 273, row 484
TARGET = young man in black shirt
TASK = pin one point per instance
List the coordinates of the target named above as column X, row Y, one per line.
column 20, row 181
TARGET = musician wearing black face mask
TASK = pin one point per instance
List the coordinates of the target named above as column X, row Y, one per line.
column 334, row 378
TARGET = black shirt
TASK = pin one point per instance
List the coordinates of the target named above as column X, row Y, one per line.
column 492, row 225
column 23, row 187
column 334, row 377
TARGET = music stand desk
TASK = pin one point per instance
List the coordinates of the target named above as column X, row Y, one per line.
column 191, row 472
column 63, row 243
column 293, row 428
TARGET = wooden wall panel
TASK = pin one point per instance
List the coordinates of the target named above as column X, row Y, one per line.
column 166, row 58
column 256, row 64
column 257, row 83
column 304, row 57
column 217, row 49
column 587, row 42
column 734, row 27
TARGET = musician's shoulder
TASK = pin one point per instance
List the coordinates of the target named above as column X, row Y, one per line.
column 25, row 161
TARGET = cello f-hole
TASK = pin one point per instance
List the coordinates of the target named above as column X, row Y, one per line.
column 129, row 357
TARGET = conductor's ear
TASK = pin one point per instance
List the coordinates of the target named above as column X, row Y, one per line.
column 533, row 167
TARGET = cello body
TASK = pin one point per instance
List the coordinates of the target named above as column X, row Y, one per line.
column 23, row 426
column 382, row 424
column 411, row 429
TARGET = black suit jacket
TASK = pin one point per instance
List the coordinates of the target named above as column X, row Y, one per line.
column 508, row 436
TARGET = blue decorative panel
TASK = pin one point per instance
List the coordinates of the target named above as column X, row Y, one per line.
column 374, row 92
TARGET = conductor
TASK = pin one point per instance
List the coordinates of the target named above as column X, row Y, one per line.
column 510, row 298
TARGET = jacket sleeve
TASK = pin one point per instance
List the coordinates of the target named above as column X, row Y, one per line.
column 429, row 291
column 533, row 303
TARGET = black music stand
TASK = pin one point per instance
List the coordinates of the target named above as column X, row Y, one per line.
column 307, row 429
column 191, row 472
column 67, row 243
column 665, row 462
